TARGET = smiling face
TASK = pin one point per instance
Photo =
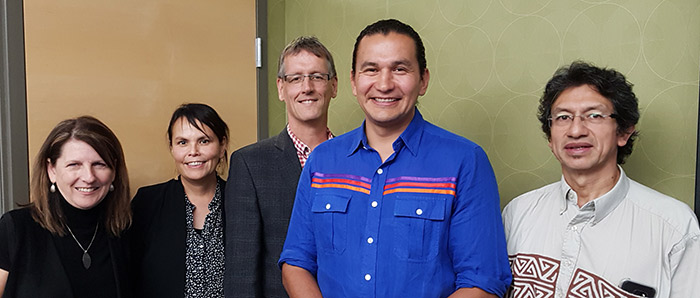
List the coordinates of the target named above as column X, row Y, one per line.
column 306, row 102
column 387, row 81
column 81, row 175
column 580, row 147
column 196, row 153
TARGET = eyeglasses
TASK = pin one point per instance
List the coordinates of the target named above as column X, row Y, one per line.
column 296, row 79
column 564, row 120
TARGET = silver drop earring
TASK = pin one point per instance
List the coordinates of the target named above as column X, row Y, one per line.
column 52, row 188
column 111, row 187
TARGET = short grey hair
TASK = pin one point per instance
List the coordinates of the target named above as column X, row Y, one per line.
column 310, row 44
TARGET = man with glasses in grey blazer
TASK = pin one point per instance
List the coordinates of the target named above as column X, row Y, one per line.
column 263, row 176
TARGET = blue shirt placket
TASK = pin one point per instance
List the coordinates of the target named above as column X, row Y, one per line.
column 374, row 212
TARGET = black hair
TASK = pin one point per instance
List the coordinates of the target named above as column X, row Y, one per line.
column 392, row 25
column 610, row 83
column 204, row 114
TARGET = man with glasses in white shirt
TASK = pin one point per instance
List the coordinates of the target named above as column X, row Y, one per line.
column 263, row 176
column 597, row 233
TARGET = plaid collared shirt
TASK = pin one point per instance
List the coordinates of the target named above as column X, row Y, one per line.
column 303, row 150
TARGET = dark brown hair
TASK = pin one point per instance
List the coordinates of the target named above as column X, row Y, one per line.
column 46, row 209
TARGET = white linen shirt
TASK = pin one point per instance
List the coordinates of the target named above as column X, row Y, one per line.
column 557, row 249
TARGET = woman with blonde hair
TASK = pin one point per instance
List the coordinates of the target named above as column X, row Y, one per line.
column 66, row 241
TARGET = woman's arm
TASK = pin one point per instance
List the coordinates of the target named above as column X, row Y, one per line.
column 3, row 280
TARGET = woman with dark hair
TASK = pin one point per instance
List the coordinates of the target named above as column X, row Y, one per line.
column 66, row 242
column 177, row 234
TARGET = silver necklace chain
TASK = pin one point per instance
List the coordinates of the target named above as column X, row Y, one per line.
column 87, row 260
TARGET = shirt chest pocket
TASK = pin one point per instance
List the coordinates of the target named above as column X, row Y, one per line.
column 330, row 222
column 418, row 225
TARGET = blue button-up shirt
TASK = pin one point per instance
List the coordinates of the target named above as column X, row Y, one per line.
column 423, row 223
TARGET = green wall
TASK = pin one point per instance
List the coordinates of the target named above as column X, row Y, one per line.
column 489, row 61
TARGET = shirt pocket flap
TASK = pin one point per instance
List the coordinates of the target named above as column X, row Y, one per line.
column 432, row 208
column 330, row 203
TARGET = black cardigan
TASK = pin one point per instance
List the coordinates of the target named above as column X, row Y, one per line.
column 36, row 269
column 157, row 237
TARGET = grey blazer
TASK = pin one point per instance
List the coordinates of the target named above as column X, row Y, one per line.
column 260, row 192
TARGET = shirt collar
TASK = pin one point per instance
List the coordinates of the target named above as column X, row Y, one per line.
column 298, row 143
column 410, row 137
column 215, row 203
column 301, row 145
column 602, row 205
column 302, row 149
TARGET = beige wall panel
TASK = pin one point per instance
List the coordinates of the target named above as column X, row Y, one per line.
column 131, row 63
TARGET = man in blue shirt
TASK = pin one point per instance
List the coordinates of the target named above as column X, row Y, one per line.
column 397, row 207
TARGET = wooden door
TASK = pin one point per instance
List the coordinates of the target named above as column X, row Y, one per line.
column 131, row 63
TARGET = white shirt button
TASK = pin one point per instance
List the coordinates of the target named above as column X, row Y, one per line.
column 374, row 204
column 370, row 240
column 380, row 171
column 328, row 206
column 574, row 228
column 368, row 277
column 419, row 211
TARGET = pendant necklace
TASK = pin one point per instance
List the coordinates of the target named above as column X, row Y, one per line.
column 86, row 257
